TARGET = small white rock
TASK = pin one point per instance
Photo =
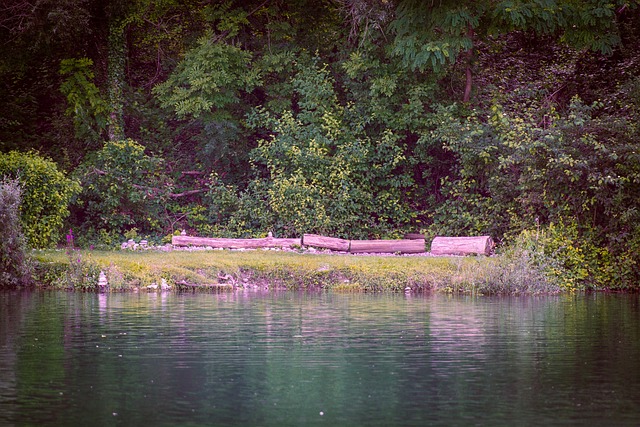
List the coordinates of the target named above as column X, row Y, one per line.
column 102, row 280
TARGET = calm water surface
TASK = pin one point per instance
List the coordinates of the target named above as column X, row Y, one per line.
column 308, row 359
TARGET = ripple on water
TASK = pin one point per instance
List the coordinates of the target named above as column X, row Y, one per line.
column 295, row 358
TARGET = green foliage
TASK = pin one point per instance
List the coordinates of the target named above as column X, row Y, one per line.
column 86, row 105
column 46, row 194
column 569, row 258
column 228, row 20
column 566, row 168
column 431, row 35
column 253, row 218
column 222, row 201
column 80, row 273
column 208, row 78
column 14, row 265
column 260, row 137
column 208, row 89
column 122, row 188
column 516, row 170
column 593, row 24
column 324, row 173
column 550, row 259
column 116, row 78
column 521, row 267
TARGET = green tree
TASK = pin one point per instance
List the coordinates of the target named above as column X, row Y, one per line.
column 210, row 77
column 429, row 36
column 86, row 105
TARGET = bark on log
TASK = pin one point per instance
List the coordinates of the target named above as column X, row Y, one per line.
column 267, row 242
column 481, row 245
column 414, row 236
column 332, row 243
column 388, row 246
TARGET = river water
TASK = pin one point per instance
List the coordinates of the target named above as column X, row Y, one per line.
column 278, row 359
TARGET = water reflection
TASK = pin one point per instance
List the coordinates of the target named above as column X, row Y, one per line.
column 259, row 358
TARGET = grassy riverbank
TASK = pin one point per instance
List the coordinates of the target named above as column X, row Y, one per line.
column 227, row 270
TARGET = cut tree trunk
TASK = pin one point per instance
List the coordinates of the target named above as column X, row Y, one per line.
column 332, row 243
column 388, row 246
column 267, row 242
column 481, row 245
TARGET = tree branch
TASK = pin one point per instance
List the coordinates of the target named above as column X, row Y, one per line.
column 186, row 193
column 154, row 190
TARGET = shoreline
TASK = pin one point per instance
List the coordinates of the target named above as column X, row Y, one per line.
column 204, row 270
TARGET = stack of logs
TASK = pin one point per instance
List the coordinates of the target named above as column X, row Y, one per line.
column 411, row 244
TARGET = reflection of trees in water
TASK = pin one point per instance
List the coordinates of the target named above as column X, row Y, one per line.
column 15, row 308
column 250, row 352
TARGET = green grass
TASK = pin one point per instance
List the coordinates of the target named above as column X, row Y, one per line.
column 276, row 270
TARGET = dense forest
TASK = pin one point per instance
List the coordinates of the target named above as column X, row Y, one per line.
column 518, row 119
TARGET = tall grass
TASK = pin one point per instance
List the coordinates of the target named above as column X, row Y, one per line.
column 14, row 264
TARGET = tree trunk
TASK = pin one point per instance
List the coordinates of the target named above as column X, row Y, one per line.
column 469, row 74
column 469, row 84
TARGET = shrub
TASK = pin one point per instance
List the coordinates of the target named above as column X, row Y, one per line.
column 122, row 188
column 320, row 171
column 46, row 193
column 14, row 269
column 568, row 258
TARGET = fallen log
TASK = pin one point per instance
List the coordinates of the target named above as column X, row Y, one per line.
column 324, row 242
column 406, row 246
column 267, row 242
column 480, row 245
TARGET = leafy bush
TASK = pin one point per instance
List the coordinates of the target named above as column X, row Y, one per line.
column 569, row 259
column 574, row 173
column 122, row 188
column 14, row 269
column 46, row 193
